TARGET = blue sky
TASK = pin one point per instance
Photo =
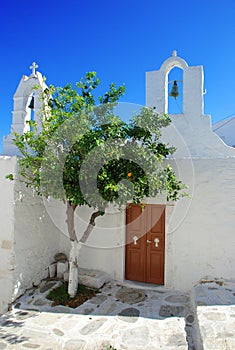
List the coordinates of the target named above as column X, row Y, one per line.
column 121, row 41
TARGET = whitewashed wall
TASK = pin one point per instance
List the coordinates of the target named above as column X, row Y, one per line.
column 200, row 234
column 7, row 165
column 28, row 237
column 104, row 248
column 36, row 239
column 204, row 242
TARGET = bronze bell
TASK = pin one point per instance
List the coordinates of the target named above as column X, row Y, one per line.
column 174, row 90
column 31, row 105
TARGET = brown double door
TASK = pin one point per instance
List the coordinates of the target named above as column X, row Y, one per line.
column 145, row 243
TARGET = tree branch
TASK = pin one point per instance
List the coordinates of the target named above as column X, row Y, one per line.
column 70, row 220
column 90, row 226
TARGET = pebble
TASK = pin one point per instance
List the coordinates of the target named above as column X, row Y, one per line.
column 31, row 346
column 58, row 332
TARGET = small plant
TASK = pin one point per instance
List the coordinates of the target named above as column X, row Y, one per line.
column 60, row 295
column 109, row 347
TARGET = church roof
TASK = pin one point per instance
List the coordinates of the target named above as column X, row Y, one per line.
column 224, row 122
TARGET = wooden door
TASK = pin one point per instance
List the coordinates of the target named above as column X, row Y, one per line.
column 145, row 243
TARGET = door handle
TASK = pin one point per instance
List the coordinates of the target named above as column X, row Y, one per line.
column 135, row 239
column 156, row 241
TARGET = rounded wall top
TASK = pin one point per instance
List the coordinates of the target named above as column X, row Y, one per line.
column 172, row 62
column 27, row 84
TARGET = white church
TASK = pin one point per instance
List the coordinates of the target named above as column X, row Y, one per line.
column 185, row 241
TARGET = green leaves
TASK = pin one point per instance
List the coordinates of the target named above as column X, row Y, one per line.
column 83, row 153
column 10, row 177
column 113, row 94
column 174, row 186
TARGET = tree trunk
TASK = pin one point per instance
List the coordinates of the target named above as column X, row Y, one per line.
column 73, row 255
column 73, row 268
column 76, row 246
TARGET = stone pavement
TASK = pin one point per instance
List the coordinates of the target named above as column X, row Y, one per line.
column 120, row 316
column 125, row 318
column 215, row 308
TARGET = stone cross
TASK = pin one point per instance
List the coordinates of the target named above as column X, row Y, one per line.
column 34, row 66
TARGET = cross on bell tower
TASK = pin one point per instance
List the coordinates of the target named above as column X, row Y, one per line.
column 22, row 113
column 33, row 67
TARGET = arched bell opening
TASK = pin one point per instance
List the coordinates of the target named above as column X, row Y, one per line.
column 175, row 91
column 30, row 105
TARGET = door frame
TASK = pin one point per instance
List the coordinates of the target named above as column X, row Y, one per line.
column 164, row 206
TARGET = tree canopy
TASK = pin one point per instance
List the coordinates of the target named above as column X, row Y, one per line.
column 84, row 154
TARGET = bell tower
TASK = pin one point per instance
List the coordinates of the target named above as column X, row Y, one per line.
column 193, row 91
column 27, row 106
column 190, row 131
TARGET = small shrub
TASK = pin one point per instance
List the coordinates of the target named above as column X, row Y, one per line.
column 109, row 347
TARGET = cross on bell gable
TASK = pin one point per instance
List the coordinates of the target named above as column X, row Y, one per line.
column 33, row 67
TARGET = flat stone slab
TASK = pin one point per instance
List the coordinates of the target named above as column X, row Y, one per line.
column 41, row 302
column 172, row 311
column 134, row 337
column 92, row 278
column 130, row 296
column 75, row 344
column 177, row 299
column 129, row 315
column 215, row 311
column 98, row 299
column 93, row 326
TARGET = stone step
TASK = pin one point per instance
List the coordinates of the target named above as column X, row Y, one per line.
column 93, row 278
column 215, row 311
